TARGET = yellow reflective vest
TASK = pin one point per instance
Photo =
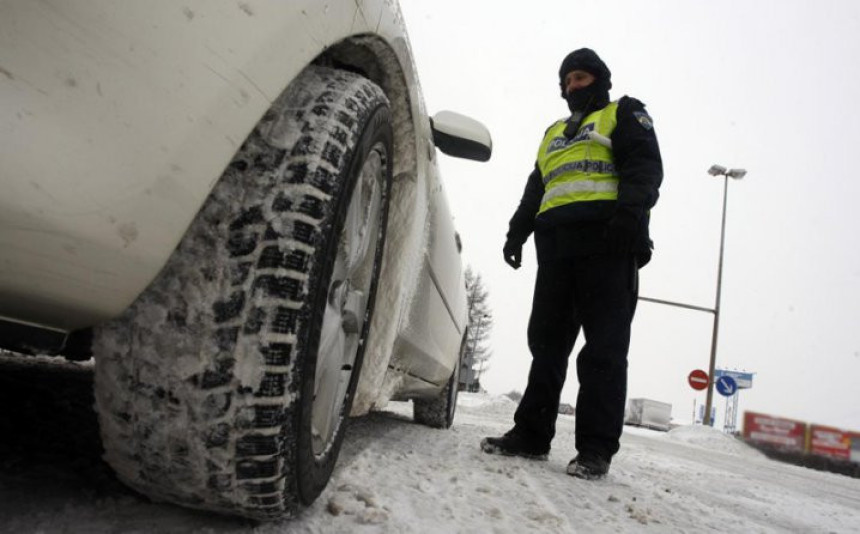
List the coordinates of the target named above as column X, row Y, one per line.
column 579, row 169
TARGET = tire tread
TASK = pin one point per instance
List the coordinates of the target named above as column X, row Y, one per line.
column 219, row 438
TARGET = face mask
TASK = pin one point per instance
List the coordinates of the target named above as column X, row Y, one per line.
column 588, row 98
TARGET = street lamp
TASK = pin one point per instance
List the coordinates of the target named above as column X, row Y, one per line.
column 737, row 174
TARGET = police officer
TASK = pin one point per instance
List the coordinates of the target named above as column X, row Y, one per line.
column 587, row 202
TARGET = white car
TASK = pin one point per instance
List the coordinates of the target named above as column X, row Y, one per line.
column 234, row 207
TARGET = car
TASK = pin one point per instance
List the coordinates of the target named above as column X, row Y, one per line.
column 234, row 208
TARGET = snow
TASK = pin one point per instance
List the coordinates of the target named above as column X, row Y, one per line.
column 394, row 476
column 712, row 439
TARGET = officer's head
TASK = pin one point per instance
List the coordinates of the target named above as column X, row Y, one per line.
column 584, row 78
column 583, row 61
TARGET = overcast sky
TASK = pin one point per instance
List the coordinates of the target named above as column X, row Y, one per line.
column 769, row 86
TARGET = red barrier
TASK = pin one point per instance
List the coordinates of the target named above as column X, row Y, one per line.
column 784, row 434
column 829, row 441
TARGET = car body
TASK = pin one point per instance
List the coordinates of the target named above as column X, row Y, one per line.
column 118, row 119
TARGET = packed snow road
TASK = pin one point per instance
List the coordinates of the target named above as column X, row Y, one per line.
column 396, row 476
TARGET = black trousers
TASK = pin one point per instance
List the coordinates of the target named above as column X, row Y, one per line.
column 597, row 295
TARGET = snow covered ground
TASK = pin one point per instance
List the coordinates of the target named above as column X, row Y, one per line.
column 398, row 477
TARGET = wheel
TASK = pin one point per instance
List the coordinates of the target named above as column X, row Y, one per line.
column 438, row 412
column 227, row 384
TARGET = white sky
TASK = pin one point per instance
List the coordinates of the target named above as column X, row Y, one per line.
column 770, row 86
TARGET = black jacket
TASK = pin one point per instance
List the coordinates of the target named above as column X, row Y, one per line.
column 560, row 233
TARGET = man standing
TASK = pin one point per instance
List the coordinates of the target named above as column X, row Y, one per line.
column 587, row 201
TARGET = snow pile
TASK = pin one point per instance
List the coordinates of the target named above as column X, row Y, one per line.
column 473, row 402
column 712, row 439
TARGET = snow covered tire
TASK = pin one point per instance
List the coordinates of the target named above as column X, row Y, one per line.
column 439, row 412
column 226, row 385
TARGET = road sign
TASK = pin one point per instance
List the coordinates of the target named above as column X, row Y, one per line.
column 698, row 379
column 726, row 386
column 743, row 378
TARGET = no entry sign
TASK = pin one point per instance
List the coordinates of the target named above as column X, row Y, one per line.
column 698, row 379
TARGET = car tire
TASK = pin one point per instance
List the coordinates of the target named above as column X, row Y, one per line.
column 227, row 384
column 439, row 412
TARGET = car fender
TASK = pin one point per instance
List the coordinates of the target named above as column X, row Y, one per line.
column 118, row 118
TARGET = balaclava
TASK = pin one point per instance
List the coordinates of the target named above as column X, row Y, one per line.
column 596, row 95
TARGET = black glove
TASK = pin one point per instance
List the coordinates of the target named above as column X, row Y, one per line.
column 621, row 233
column 513, row 252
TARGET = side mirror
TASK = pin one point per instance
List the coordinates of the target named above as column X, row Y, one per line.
column 460, row 136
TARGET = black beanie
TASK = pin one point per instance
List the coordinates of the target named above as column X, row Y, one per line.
column 585, row 59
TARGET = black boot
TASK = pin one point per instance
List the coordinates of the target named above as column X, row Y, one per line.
column 588, row 467
column 514, row 443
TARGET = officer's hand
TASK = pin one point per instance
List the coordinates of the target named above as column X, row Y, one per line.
column 513, row 254
column 621, row 233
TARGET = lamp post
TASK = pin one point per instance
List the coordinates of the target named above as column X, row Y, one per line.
column 737, row 174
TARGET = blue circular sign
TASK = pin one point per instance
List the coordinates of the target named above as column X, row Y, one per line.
column 726, row 386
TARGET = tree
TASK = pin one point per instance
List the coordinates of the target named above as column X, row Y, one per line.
column 480, row 322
